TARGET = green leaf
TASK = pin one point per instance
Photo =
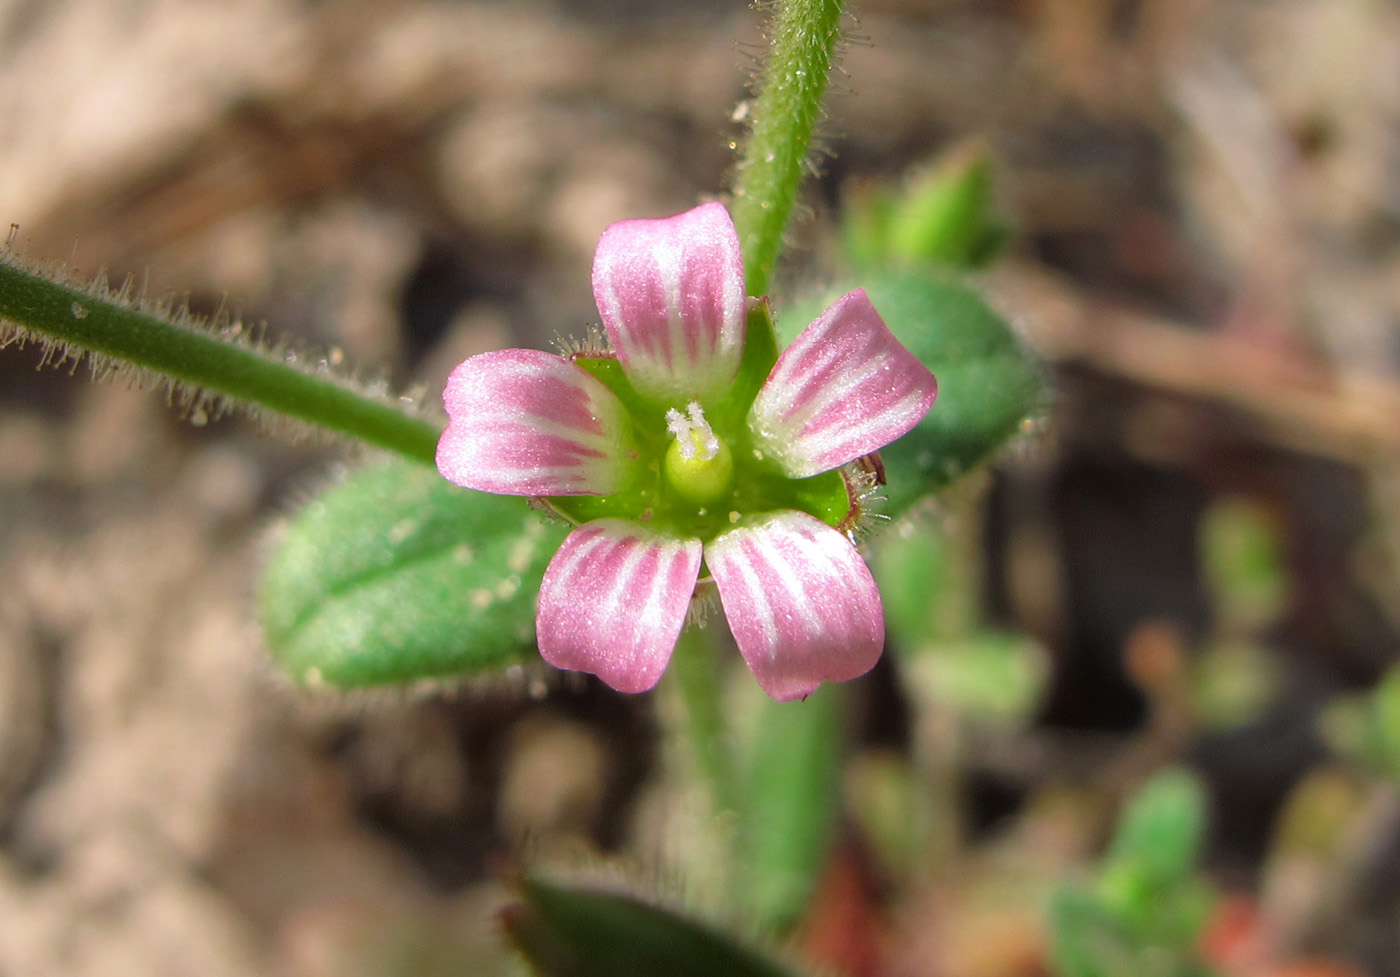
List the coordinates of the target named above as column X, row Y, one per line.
column 1164, row 917
column 988, row 384
column 397, row 575
column 1146, row 911
column 1159, row 832
column 1086, row 941
column 790, row 805
column 577, row 932
column 1089, row 939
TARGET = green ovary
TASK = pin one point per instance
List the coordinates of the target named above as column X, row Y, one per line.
column 694, row 476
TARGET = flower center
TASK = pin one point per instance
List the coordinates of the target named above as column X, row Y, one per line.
column 698, row 464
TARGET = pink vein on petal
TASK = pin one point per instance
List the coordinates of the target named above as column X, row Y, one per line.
column 614, row 600
column 527, row 422
column 801, row 603
column 844, row 388
column 671, row 294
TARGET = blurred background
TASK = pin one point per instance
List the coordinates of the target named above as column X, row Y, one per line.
column 1195, row 550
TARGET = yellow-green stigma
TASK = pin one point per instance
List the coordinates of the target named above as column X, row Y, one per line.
column 698, row 465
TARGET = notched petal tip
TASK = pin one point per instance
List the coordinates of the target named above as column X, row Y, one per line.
column 844, row 388
column 527, row 422
column 801, row 603
column 671, row 295
column 614, row 600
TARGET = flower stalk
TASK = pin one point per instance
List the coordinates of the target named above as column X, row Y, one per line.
column 79, row 321
column 698, row 677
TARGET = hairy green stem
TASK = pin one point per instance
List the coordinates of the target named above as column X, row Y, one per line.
column 792, row 802
column 73, row 318
column 803, row 36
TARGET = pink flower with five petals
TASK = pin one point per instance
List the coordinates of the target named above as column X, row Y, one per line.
column 671, row 458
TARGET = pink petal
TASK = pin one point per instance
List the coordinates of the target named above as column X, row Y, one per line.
column 614, row 600
column 526, row 422
column 844, row 388
column 671, row 293
column 800, row 601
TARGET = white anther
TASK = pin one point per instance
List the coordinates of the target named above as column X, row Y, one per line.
column 692, row 432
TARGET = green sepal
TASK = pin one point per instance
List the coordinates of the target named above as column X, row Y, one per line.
column 945, row 217
column 397, row 575
column 825, row 496
column 571, row 931
column 647, row 415
column 758, row 489
column 988, row 383
column 865, row 226
column 760, row 353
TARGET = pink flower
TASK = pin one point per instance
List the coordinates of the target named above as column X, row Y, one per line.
column 673, row 458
